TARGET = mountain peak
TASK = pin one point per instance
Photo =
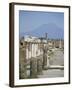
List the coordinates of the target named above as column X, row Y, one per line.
column 53, row 31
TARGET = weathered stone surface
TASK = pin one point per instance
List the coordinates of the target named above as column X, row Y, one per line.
column 44, row 61
column 39, row 66
column 22, row 64
column 23, row 71
column 33, row 68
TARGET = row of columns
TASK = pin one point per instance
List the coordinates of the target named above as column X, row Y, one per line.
column 36, row 64
column 34, row 50
column 36, row 67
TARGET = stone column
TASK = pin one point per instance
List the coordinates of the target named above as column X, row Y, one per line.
column 22, row 64
column 44, row 58
column 53, row 44
column 39, row 66
column 60, row 44
column 33, row 68
column 48, row 58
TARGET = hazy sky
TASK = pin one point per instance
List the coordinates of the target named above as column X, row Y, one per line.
column 30, row 20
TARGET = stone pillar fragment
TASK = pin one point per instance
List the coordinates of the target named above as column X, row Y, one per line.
column 22, row 64
column 39, row 66
column 33, row 68
column 44, row 58
column 60, row 44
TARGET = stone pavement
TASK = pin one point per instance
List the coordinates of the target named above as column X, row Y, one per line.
column 56, row 59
